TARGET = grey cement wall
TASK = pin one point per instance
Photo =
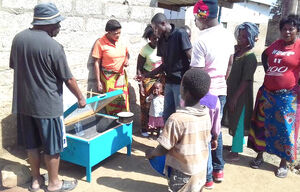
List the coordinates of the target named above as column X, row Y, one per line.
column 84, row 24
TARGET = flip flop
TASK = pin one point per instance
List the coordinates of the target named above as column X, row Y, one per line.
column 281, row 172
column 256, row 163
column 66, row 186
column 44, row 180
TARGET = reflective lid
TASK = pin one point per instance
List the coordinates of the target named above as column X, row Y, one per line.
column 93, row 105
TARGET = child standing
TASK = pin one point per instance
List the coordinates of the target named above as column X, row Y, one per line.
column 156, row 121
column 238, row 109
column 185, row 136
column 212, row 102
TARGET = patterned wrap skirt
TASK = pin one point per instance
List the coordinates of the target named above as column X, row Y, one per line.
column 112, row 81
column 281, row 122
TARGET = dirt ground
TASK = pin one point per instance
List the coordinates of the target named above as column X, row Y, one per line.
column 134, row 174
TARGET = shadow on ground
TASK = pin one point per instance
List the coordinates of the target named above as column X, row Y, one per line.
column 4, row 162
column 118, row 162
column 130, row 185
column 245, row 160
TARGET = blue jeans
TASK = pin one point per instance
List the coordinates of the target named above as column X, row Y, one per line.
column 172, row 99
column 215, row 158
column 209, row 176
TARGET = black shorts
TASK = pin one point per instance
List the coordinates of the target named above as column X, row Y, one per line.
column 46, row 133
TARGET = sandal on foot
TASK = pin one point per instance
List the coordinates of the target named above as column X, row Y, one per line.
column 66, row 186
column 281, row 172
column 33, row 189
column 43, row 183
column 256, row 163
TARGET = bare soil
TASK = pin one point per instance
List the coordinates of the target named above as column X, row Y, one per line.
column 134, row 174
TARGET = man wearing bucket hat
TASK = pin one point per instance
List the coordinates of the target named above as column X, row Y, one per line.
column 40, row 69
column 213, row 52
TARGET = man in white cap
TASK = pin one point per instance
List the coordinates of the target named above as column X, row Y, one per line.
column 40, row 69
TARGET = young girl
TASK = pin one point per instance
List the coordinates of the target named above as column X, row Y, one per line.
column 238, row 109
column 156, row 121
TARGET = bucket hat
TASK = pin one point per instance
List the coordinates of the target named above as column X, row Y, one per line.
column 46, row 14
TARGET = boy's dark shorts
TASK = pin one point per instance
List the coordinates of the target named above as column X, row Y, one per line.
column 46, row 133
column 177, row 180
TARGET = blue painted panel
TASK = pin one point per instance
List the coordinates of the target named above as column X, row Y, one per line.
column 110, row 142
column 76, row 152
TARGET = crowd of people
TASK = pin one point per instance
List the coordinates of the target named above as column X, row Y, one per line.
column 186, row 91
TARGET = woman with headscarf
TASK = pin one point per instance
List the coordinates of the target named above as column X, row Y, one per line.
column 277, row 105
column 147, row 61
column 111, row 58
column 239, row 106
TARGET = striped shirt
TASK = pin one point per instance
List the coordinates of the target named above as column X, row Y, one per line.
column 186, row 135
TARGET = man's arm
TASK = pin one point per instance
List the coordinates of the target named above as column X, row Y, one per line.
column 188, row 53
column 229, row 66
column 155, row 71
column 73, row 87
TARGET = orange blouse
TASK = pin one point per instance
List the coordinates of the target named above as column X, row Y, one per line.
column 112, row 56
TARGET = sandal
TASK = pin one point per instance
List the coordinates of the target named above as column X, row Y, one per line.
column 281, row 172
column 66, row 186
column 43, row 184
column 256, row 163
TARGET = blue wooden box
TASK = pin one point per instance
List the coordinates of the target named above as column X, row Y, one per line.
column 103, row 135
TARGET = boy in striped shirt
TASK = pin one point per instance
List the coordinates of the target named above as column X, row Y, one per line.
column 186, row 135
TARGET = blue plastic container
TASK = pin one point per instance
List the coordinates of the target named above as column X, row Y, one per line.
column 158, row 163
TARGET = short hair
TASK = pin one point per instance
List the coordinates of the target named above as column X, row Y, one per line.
column 197, row 82
column 112, row 25
column 291, row 19
column 148, row 32
column 159, row 18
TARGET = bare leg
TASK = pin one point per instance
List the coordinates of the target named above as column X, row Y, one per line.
column 283, row 163
column 52, row 164
column 259, row 156
column 34, row 161
column 201, row 189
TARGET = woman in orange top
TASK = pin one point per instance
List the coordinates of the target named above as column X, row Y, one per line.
column 111, row 57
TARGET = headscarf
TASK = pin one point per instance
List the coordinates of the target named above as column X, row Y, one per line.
column 252, row 31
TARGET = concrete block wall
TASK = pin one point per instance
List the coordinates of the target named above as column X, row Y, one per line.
column 84, row 24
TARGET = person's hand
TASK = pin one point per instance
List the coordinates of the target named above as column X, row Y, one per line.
column 214, row 144
column 232, row 104
column 139, row 78
column 99, row 87
column 126, row 62
column 149, row 154
column 142, row 90
column 81, row 102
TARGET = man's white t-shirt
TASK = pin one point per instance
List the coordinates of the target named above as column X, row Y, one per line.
column 212, row 51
